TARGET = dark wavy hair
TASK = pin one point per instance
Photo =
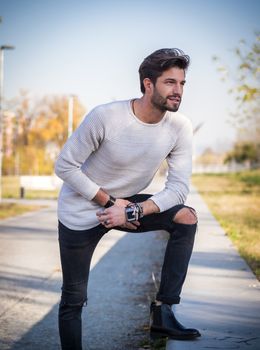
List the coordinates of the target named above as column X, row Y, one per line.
column 155, row 64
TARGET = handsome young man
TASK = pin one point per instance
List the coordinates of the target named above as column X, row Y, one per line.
column 108, row 160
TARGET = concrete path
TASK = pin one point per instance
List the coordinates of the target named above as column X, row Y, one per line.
column 221, row 296
column 120, row 286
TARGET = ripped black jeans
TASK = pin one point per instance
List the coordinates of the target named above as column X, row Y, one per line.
column 76, row 250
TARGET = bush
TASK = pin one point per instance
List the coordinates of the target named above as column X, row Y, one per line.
column 244, row 152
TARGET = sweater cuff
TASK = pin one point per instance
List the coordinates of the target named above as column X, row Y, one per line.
column 94, row 190
column 162, row 203
column 83, row 185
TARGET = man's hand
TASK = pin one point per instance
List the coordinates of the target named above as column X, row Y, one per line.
column 122, row 202
column 115, row 216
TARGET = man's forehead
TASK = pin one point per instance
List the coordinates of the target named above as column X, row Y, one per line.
column 173, row 73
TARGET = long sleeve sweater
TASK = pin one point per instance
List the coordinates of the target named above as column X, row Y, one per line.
column 112, row 149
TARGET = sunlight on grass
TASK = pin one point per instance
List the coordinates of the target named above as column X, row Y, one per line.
column 12, row 209
column 234, row 200
column 11, row 189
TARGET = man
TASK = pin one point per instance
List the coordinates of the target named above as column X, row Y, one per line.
column 108, row 160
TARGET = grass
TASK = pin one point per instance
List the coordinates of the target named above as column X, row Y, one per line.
column 12, row 209
column 234, row 200
column 11, row 189
column 158, row 344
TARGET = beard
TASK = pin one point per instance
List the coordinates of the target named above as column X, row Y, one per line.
column 161, row 103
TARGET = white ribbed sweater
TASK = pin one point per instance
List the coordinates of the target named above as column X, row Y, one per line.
column 112, row 149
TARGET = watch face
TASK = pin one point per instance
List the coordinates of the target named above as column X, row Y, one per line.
column 130, row 214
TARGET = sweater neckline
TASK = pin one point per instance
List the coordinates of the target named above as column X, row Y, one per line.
column 140, row 121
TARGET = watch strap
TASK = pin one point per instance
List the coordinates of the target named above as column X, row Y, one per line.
column 111, row 201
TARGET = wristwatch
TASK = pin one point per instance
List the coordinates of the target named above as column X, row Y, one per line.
column 111, row 201
column 133, row 212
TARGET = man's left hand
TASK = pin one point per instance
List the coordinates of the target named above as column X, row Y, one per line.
column 115, row 216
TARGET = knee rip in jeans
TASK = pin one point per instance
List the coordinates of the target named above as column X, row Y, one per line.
column 186, row 216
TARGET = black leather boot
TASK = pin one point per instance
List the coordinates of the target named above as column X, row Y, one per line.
column 164, row 324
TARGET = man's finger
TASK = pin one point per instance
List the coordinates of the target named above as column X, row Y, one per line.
column 100, row 213
column 136, row 223
column 130, row 226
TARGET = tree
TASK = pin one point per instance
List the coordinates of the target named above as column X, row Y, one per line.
column 17, row 125
column 245, row 89
column 38, row 130
column 244, row 152
column 209, row 157
column 51, row 124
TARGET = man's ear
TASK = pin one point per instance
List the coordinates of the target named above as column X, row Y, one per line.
column 148, row 85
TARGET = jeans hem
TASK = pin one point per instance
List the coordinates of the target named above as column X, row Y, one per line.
column 168, row 300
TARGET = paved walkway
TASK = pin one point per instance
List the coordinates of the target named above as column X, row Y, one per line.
column 221, row 295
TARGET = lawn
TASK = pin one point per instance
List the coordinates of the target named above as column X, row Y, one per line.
column 13, row 209
column 11, row 189
column 234, row 200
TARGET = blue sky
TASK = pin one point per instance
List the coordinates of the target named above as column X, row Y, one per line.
column 93, row 49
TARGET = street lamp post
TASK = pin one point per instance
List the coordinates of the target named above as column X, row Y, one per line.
column 2, row 48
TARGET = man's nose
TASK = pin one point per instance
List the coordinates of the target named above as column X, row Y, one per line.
column 178, row 89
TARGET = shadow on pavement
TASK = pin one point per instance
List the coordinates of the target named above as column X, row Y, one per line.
column 119, row 294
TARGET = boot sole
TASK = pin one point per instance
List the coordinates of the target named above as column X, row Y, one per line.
column 154, row 334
